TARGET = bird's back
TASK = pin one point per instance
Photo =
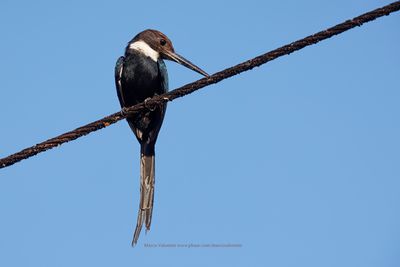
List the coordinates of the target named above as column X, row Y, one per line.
column 140, row 79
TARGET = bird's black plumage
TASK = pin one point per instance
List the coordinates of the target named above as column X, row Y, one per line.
column 139, row 77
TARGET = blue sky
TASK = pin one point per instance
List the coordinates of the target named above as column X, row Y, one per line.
column 297, row 161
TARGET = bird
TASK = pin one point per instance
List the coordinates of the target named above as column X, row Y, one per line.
column 139, row 75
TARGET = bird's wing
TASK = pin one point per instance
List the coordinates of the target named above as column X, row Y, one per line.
column 163, row 74
column 162, row 71
column 118, row 77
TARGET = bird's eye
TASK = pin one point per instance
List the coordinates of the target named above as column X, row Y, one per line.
column 163, row 42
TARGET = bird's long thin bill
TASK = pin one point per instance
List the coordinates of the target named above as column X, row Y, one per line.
column 183, row 61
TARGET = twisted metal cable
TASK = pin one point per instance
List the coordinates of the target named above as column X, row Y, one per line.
column 194, row 86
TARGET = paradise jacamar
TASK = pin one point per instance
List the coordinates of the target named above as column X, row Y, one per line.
column 139, row 75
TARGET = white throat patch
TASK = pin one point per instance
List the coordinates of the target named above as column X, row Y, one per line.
column 144, row 48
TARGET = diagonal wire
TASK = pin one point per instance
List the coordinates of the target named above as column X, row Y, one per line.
column 194, row 86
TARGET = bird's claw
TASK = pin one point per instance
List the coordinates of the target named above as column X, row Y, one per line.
column 148, row 105
column 124, row 111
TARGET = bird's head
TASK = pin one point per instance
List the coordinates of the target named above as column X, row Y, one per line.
column 155, row 45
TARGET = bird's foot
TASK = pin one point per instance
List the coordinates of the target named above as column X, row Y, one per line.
column 148, row 105
column 124, row 111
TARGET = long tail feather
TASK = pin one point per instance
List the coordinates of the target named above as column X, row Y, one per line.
column 147, row 170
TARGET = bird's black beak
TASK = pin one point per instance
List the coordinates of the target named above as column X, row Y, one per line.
column 183, row 61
